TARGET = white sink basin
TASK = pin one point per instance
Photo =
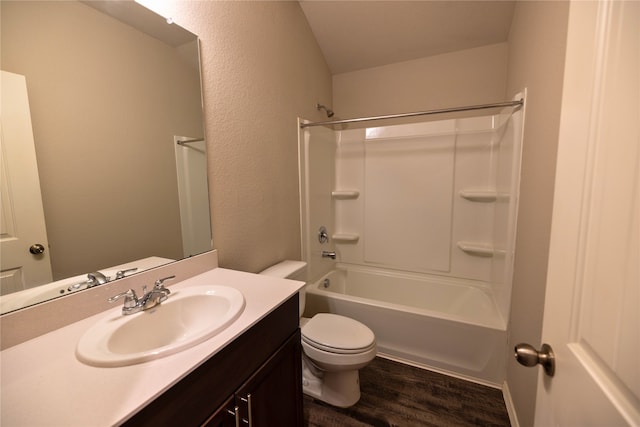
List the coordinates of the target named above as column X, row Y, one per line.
column 190, row 316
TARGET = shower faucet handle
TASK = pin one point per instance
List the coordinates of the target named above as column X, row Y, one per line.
column 323, row 236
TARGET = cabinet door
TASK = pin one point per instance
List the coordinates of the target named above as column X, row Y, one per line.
column 273, row 395
column 225, row 416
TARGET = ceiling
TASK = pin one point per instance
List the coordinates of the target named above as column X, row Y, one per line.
column 354, row 35
column 143, row 19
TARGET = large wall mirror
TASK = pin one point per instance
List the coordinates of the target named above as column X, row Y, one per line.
column 112, row 87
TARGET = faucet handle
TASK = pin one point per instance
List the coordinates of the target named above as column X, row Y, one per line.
column 159, row 283
column 122, row 273
column 130, row 298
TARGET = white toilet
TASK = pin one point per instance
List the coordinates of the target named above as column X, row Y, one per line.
column 334, row 347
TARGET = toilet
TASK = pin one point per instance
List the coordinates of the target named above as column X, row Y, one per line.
column 334, row 347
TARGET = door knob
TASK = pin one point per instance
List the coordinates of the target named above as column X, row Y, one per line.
column 36, row 249
column 527, row 355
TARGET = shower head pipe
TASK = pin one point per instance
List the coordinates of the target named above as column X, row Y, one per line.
column 327, row 110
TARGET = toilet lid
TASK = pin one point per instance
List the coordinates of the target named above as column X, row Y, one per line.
column 337, row 333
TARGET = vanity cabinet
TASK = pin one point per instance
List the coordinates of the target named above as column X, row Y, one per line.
column 259, row 375
column 265, row 399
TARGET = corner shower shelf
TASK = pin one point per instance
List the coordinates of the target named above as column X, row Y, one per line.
column 483, row 195
column 345, row 194
column 476, row 249
column 479, row 195
column 346, row 237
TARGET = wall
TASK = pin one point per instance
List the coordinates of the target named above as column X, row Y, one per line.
column 466, row 77
column 85, row 73
column 537, row 43
column 262, row 68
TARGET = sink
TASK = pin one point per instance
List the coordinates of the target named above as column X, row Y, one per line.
column 190, row 316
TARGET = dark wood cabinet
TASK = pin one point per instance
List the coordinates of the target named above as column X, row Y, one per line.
column 225, row 416
column 269, row 397
column 257, row 376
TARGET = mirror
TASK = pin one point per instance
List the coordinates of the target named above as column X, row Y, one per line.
column 111, row 88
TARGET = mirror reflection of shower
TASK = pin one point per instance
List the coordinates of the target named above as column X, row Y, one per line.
column 327, row 110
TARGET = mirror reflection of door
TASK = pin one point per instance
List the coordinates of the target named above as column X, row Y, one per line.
column 21, row 215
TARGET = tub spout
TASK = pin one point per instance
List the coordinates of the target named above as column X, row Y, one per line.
column 326, row 254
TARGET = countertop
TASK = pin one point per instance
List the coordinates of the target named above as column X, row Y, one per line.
column 43, row 384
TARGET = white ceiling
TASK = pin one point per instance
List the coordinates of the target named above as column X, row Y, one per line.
column 143, row 19
column 354, row 35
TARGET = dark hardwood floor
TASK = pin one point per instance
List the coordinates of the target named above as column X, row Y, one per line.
column 394, row 394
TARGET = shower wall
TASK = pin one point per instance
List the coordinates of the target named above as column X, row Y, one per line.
column 437, row 198
column 316, row 156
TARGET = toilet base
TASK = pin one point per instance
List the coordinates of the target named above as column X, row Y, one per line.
column 341, row 389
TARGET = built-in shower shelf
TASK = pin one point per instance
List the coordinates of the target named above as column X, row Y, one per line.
column 345, row 194
column 483, row 195
column 477, row 249
column 479, row 195
column 345, row 237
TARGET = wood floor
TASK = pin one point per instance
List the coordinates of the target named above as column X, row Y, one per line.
column 394, row 394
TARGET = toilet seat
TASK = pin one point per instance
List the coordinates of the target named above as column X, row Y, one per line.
column 337, row 334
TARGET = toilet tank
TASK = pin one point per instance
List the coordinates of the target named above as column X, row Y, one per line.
column 294, row 270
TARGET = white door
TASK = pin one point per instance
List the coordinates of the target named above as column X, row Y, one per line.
column 592, row 306
column 22, row 223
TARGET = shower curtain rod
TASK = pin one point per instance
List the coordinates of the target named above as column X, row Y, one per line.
column 189, row 141
column 517, row 103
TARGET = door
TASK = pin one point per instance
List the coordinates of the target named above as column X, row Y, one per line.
column 592, row 306
column 23, row 236
column 273, row 394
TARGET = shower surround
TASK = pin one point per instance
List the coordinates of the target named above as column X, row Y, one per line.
column 421, row 217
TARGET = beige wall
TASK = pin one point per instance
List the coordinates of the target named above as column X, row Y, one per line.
column 105, row 103
column 466, row 77
column 537, row 43
column 262, row 69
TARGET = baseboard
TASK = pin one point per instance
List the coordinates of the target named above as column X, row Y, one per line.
column 511, row 409
column 457, row 375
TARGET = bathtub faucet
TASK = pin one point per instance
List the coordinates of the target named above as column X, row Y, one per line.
column 326, row 254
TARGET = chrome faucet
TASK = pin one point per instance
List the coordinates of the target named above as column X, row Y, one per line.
column 96, row 278
column 93, row 279
column 133, row 304
column 327, row 254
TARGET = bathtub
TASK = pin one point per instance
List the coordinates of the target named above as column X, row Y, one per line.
column 446, row 325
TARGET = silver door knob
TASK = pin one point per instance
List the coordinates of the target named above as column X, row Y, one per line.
column 36, row 249
column 527, row 355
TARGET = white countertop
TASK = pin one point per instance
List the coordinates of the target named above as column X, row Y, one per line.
column 43, row 384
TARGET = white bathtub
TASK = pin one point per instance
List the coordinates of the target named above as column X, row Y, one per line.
column 446, row 325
